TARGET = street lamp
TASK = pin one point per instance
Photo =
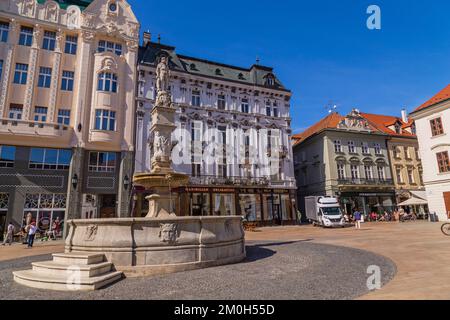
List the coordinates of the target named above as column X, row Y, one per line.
column 126, row 182
column 75, row 181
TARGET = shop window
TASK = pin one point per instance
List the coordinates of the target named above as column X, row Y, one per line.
column 47, row 211
column 102, row 161
column 224, row 204
column 7, row 156
column 50, row 159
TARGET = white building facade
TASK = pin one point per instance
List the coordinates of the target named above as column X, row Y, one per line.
column 433, row 131
column 233, row 136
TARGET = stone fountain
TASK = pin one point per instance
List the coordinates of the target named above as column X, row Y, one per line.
column 99, row 251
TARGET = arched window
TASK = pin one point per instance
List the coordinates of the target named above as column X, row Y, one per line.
column 107, row 82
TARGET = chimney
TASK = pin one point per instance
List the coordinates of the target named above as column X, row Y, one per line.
column 405, row 115
column 147, row 38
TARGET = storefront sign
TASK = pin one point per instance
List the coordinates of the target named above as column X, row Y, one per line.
column 280, row 191
column 375, row 194
column 223, row 190
column 197, row 190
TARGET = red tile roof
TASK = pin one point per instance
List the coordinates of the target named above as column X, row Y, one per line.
column 441, row 96
column 329, row 122
column 383, row 122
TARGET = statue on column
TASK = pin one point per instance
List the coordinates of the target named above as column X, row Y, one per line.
column 162, row 75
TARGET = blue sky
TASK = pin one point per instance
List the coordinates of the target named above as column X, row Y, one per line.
column 321, row 50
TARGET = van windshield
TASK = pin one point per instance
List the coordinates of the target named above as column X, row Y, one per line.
column 336, row 211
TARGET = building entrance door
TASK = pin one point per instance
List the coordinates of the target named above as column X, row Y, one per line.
column 2, row 224
column 108, row 206
column 447, row 203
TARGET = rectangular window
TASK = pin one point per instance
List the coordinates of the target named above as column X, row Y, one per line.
column 368, row 172
column 355, row 171
column 49, row 40
column 40, row 114
column 110, row 47
column 1, row 69
column 45, row 77
column 50, row 159
column 196, row 98
column 377, row 148
column 341, row 171
column 275, row 112
column 7, row 156
column 4, row 30
column 365, row 148
column 380, row 170
column 107, row 82
column 268, row 110
column 337, row 146
column 21, row 73
column 196, row 142
column 245, row 108
column 436, row 127
column 351, row 147
column 102, row 161
column 411, row 176
column 15, row 112
column 443, row 162
column 71, row 45
column 221, row 103
column 67, row 80
column 26, row 36
column 417, row 152
column 397, row 153
column 398, row 172
column 407, row 153
column 105, row 120
column 64, row 117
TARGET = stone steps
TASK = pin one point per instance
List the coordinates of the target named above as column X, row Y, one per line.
column 69, row 272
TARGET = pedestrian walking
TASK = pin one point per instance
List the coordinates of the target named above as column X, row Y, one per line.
column 357, row 216
column 9, row 234
column 32, row 234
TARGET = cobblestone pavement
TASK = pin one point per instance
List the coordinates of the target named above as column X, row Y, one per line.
column 18, row 250
column 419, row 250
column 272, row 271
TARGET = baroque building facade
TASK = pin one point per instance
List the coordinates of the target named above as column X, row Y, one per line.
column 345, row 157
column 67, row 105
column 405, row 159
column 233, row 137
column 433, row 126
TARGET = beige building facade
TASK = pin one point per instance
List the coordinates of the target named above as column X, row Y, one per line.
column 67, row 100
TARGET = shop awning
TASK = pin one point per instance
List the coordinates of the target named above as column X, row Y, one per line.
column 413, row 202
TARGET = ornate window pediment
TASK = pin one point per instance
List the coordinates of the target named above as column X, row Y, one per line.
column 108, row 65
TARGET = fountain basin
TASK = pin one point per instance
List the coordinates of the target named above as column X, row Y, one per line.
column 165, row 179
column 148, row 246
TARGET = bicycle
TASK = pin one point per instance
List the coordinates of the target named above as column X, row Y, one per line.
column 445, row 228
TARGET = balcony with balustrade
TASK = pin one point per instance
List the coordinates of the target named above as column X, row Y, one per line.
column 11, row 128
column 249, row 182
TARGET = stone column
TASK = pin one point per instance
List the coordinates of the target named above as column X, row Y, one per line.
column 55, row 78
column 75, row 195
column 7, row 66
column 32, row 69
